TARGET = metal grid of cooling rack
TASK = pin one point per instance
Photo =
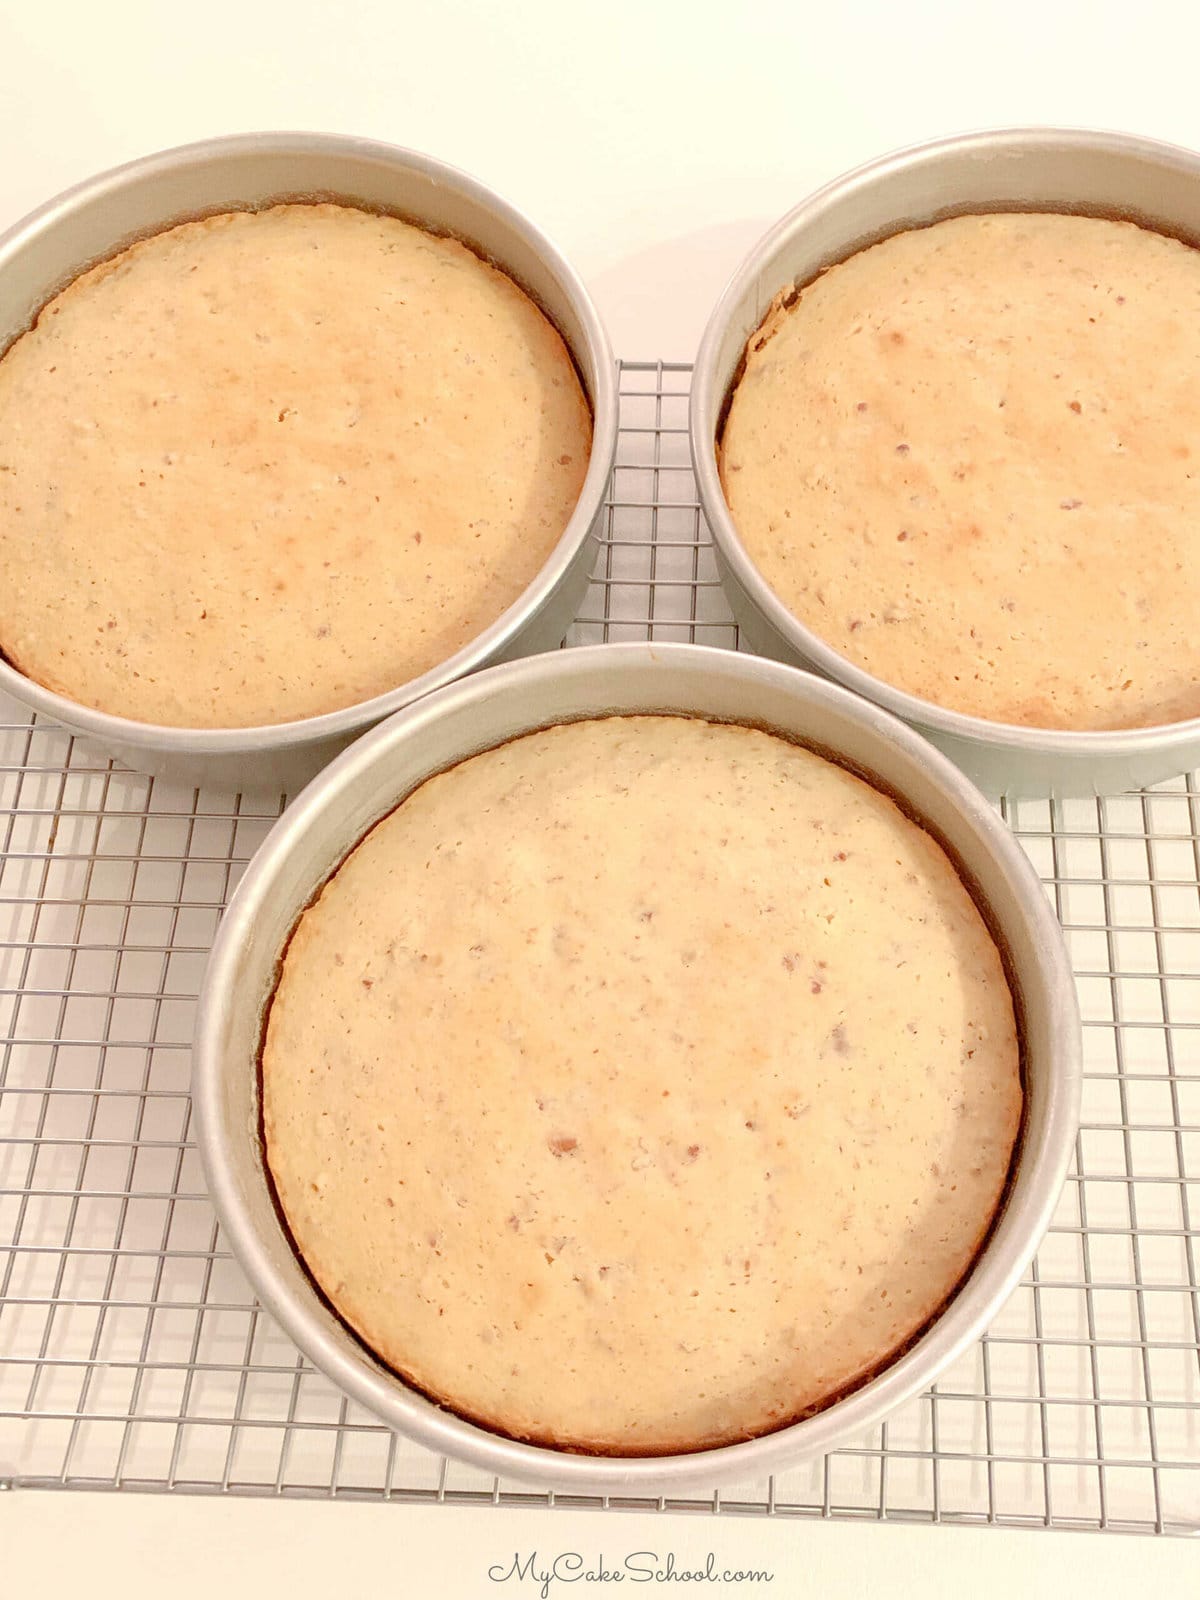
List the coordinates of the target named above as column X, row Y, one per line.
column 132, row 1354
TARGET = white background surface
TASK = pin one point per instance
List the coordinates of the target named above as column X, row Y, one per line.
column 653, row 139
column 119, row 1546
column 653, row 142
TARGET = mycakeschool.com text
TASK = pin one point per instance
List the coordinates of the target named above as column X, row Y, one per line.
column 542, row 1573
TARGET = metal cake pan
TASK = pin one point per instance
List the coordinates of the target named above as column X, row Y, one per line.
column 336, row 810
column 43, row 253
column 1031, row 169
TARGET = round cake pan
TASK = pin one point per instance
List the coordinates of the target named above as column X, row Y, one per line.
column 366, row 782
column 1022, row 169
column 100, row 217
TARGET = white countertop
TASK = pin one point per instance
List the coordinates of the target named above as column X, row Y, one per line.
column 142, row 1547
column 652, row 139
column 654, row 142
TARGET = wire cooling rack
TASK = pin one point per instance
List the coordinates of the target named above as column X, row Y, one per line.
column 133, row 1355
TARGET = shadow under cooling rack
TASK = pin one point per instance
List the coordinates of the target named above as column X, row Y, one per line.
column 132, row 1354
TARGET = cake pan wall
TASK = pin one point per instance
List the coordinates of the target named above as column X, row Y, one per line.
column 43, row 253
column 1032, row 169
column 367, row 781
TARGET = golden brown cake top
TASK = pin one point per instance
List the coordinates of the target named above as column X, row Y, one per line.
column 966, row 458
column 271, row 464
column 640, row 1084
